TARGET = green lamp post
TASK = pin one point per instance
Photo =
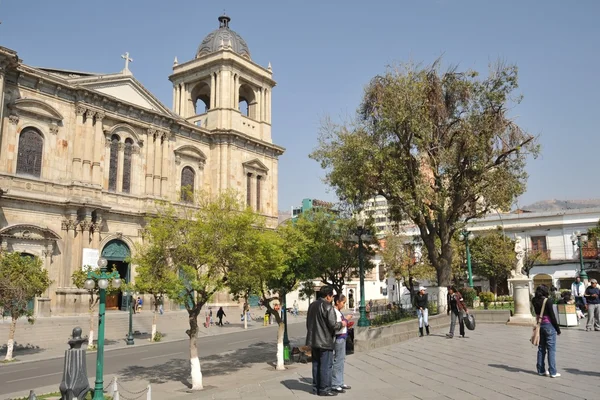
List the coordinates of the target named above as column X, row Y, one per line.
column 577, row 238
column 103, row 281
column 360, row 231
column 466, row 236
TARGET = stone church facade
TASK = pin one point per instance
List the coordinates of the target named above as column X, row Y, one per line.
column 84, row 157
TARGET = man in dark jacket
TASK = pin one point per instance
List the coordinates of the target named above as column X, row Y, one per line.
column 321, row 324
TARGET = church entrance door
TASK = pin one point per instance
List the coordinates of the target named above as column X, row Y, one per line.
column 116, row 253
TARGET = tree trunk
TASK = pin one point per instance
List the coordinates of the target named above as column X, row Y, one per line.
column 280, row 366
column 91, row 335
column 196, row 372
column 11, row 340
column 153, row 325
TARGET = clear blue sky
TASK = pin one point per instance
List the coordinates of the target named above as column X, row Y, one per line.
column 324, row 52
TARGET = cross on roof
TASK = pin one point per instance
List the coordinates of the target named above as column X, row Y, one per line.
column 127, row 60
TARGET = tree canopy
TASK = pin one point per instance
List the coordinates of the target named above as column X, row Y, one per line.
column 440, row 146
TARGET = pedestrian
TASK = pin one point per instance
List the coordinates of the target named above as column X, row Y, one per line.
column 578, row 290
column 592, row 297
column 456, row 309
column 421, row 304
column 321, row 325
column 339, row 351
column 220, row 315
column 549, row 329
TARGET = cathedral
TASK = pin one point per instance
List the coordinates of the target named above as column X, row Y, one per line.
column 84, row 157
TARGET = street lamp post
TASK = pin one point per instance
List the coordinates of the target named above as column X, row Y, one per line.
column 103, row 283
column 576, row 238
column 466, row 236
column 129, row 294
column 363, row 320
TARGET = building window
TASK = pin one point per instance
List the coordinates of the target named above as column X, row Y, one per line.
column 113, row 163
column 538, row 243
column 127, row 165
column 258, row 178
column 29, row 158
column 249, row 190
column 188, row 176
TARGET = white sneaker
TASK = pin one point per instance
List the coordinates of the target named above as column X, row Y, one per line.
column 555, row 375
column 544, row 373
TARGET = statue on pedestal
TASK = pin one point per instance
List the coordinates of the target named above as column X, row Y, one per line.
column 520, row 255
column 75, row 384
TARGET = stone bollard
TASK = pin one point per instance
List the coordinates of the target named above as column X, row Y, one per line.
column 75, row 384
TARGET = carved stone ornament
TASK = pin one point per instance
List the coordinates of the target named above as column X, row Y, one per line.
column 14, row 119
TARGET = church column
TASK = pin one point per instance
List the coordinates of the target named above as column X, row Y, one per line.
column 157, row 162
column 213, row 92
column 87, row 146
column 98, row 144
column 150, row 161
column 120, row 161
column 166, row 156
column 76, row 165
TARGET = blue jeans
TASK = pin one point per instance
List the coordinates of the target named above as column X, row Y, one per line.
column 547, row 345
column 339, row 357
column 321, row 369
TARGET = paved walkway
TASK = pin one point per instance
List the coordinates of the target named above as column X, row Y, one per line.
column 493, row 362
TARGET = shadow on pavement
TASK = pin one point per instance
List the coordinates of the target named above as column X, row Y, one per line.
column 299, row 385
column 178, row 370
column 19, row 349
column 576, row 371
column 512, row 369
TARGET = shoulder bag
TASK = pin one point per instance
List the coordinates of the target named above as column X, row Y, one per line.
column 535, row 336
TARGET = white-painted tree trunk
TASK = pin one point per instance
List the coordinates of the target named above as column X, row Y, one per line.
column 11, row 340
column 196, row 372
column 91, row 335
column 280, row 366
column 153, row 327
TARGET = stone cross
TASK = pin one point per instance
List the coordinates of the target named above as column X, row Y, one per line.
column 127, row 60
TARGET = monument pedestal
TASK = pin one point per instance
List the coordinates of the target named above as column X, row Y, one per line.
column 522, row 298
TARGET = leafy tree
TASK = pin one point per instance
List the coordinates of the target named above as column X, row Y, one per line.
column 22, row 278
column 399, row 258
column 439, row 146
column 333, row 256
column 493, row 256
column 201, row 242
column 79, row 277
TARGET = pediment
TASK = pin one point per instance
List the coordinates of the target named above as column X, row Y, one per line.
column 256, row 165
column 36, row 107
column 125, row 88
column 29, row 232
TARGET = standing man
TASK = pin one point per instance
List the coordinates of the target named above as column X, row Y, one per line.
column 592, row 296
column 321, row 325
column 578, row 291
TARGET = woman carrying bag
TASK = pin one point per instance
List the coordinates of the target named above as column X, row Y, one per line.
column 545, row 332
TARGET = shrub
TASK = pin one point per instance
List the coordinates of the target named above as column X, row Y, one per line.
column 486, row 298
column 468, row 295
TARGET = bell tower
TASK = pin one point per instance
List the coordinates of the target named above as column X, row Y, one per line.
column 222, row 88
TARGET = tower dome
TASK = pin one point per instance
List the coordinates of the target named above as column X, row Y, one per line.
column 223, row 38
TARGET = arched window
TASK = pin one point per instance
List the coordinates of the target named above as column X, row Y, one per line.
column 127, row 165
column 29, row 158
column 114, row 163
column 188, row 177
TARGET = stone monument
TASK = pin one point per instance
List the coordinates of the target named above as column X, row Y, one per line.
column 75, row 384
column 520, row 284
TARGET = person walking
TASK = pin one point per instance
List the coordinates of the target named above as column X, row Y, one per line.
column 456, row 309
column 339, row 355
column 421, row 303
column 321, row 324
column 549, row 329
column 578, row 291
column 592, row 297
column 220, row 315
